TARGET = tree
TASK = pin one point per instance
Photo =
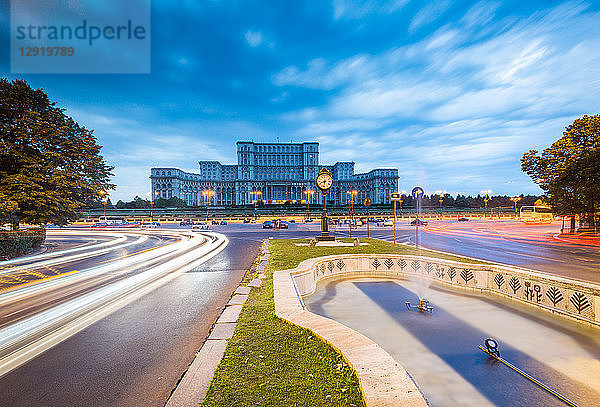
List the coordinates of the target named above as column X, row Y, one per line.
column 569, row 170
column 49, row 165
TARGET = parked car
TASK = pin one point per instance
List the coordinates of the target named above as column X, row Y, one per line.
column 186, row 223
column 388, row 222
column 100, row 225
column 246, row 221
column 292, row 221
column 223, row 222
column 463, row 219
column 283, row 224
column 267, row 224
column 419, row 222
column 214, row 222
column 201, row 225
column 150, row 225
column 307, row 220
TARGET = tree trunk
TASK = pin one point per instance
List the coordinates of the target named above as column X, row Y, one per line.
column 572, row 228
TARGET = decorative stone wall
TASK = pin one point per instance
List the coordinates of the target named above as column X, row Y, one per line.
column 576, row 299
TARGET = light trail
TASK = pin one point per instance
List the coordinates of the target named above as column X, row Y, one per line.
column 33, row 335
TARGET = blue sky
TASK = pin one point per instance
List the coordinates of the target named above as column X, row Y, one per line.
column 451, row 93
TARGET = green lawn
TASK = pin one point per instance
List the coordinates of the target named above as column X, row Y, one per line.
column 269, row 362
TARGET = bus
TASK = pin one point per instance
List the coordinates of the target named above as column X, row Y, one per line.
column 536, row 214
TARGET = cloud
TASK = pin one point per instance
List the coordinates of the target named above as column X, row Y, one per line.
column 459, row 99
column 358, row 9
column 254, row 38
column 428, row 14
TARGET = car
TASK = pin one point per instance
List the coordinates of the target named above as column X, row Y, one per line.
column 463, row 219
column 223, row 222
column 419, row 222
column 283, row 224
column 358, row 222
column 214, row 222
column 307, row 220
column 155, row 223
column 149, row 225
column 246, row 221
column 186, row 223
column 292, row 221
column 388, row 222
column 201, row 225
column 267, row 224
column 52, row 226
column 100, row 225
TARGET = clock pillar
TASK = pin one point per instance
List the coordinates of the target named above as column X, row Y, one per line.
column 324, row 187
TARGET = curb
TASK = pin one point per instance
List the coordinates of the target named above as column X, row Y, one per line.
column 193, row 386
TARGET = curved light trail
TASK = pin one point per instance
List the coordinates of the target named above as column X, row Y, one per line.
column 141, row 273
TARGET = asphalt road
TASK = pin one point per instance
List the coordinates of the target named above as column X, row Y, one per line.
column 135, row 355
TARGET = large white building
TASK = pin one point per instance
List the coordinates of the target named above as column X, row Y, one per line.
column 280, row 171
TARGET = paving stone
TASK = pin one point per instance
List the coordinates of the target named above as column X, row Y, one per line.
column 255, row 283
column 238, row 299
column 194, row 385
column 230, row 314
column 222, row 331
column 242, row 290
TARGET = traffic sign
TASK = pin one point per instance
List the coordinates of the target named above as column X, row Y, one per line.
column 367, row 202
column 417, row 193
column 395, row 196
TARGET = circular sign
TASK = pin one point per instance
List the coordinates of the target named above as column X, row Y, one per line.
column 367, row 202
column 324, row 180
column 417, row 193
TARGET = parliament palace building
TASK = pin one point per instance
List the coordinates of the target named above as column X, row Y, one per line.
column 272, row 173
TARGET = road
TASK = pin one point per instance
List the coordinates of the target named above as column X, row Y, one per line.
column 440, row 350
column 135, row 354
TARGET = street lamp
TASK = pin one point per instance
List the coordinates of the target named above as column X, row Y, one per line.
column 308, row 193
column 515, row 199
column 207, row 194
column 351, row 195
column 486, row 199
column 151, row 211
column 255, row 200
column 441, row 208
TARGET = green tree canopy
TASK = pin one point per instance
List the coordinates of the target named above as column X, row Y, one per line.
column 50, row 166
column 569, row 170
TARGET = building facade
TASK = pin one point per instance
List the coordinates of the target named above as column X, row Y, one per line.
column 273, row 173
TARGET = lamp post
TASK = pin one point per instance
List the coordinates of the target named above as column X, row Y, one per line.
column 351, row 195
column 151, row 211
column 104, row 204
column 515, row 199
column 441, row 208
column 207, row 194
column 308, row 193
column 255, row 200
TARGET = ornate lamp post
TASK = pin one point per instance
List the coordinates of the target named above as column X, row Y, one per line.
column 151, row 211
column 515, row 199
column 351, row 195
column 255, row 200
column 207, row 194
column 308, row 193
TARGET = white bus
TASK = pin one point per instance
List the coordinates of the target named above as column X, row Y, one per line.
column 536, row 214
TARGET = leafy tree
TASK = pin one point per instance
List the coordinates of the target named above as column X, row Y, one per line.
column 49, row 165
column 569, row 170
column 173, row 202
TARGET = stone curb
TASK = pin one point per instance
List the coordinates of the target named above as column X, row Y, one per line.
column 192, row 388
column 382, row 380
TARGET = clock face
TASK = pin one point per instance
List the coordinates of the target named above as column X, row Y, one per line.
column 324, row 181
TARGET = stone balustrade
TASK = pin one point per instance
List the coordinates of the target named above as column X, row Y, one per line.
column 576, row 299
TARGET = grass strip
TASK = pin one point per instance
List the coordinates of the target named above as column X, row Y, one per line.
column 270, row 362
